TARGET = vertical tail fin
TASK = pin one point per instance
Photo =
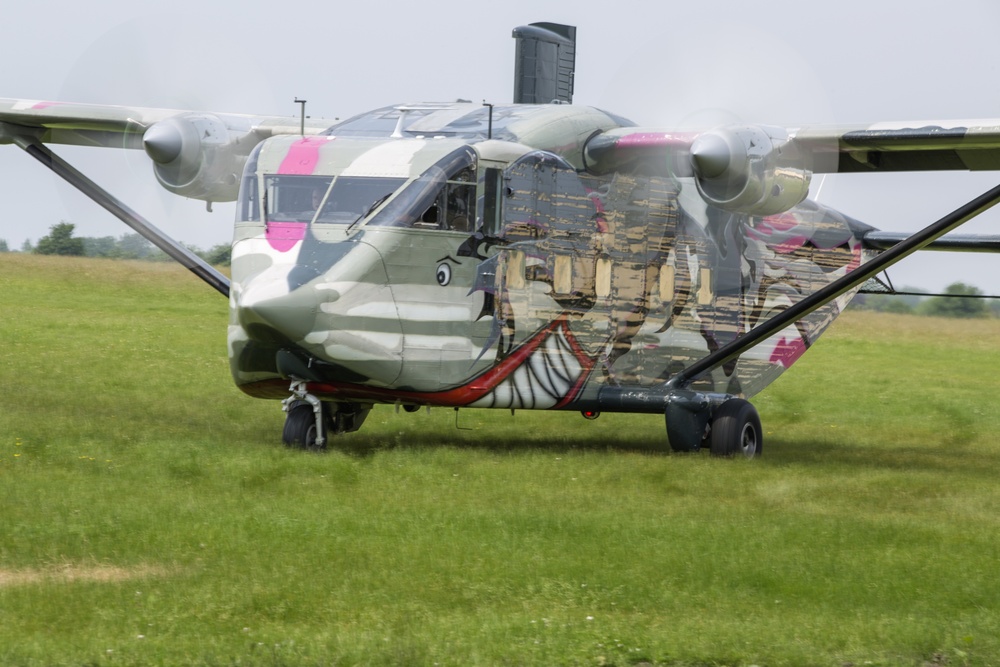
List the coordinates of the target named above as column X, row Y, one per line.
column 544, row 63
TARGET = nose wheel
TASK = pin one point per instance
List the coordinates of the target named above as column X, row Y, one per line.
column 306, row 419
column 301, row 427
column 309, row 421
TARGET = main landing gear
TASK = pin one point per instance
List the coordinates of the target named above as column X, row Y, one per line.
column 735, row 429
column 728, row 426
column 309, row 421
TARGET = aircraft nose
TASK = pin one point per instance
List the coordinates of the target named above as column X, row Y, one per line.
column 337, row 308
column 267, row 301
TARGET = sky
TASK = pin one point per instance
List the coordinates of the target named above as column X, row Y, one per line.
column 661, row 64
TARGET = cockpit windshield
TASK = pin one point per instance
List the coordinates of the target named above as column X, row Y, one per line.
column 324, row 199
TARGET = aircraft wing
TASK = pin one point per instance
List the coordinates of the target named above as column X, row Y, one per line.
column 124, row 127
column 765, row 170
column 896, row 146
column 912, row 146
column 195, row 154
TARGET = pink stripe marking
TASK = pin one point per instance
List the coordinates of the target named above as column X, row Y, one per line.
column 602, row 224
column 856, row 259
column 656, row 139
column 789, row 245
column 787, row 352
column 282, row 236
column 781, row 222
column 302, row 157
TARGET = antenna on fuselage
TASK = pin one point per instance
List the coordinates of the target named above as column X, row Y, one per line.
column 397, row 132
column 302, row 116
column 489, row 127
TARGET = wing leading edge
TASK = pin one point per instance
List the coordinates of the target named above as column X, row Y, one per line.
column 897, row 146
column 120, row 126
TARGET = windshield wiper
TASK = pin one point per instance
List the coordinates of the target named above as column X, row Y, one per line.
column 368, row 211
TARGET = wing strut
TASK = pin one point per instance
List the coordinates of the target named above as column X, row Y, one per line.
column 924, row 237
column 175, row 250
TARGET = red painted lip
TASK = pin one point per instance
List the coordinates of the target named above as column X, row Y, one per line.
column 474, row 390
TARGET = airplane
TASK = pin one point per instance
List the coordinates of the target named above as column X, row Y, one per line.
column 532, row 255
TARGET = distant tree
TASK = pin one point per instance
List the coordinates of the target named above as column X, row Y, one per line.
column 104, row 246
column 955, row 305
column 3, row 246
column 896, row 305
column 135, row 246
column 220, row 255
column 27, row 247
column 889, row 303
column 60, row 241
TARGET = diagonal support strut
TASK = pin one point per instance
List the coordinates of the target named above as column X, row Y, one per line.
column 820, row 298
column 172, row 248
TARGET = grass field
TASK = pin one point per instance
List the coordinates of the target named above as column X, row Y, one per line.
column 151, row 517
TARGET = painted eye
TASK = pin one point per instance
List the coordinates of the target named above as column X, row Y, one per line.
column 444, row 274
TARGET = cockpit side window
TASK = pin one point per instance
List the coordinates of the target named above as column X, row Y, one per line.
column 443, row 197
column 248, row 200
column 460, row 201
column 454, row 206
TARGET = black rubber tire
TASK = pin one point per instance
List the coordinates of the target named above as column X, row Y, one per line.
column 736, row 430
column 300, row 426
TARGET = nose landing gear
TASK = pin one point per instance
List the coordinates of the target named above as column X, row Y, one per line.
column 307, row 416
column 310, row 421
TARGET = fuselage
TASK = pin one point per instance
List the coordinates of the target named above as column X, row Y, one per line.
column 436, row 255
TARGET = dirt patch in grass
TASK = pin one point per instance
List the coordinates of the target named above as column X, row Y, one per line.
column 73, row 572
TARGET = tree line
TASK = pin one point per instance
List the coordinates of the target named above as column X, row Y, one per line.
column 958, row 300
column 61, row 241
column 961, row 301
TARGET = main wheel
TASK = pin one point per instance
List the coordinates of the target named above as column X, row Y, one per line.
column 300, row 426
column 736, row 430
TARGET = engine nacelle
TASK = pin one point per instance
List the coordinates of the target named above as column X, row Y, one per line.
column 749, row 169
column 198, row 155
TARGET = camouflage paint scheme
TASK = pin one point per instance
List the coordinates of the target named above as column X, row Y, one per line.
column 516, row 256
column 560, row 283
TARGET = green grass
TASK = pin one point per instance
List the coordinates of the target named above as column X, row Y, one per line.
column 150, row 517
